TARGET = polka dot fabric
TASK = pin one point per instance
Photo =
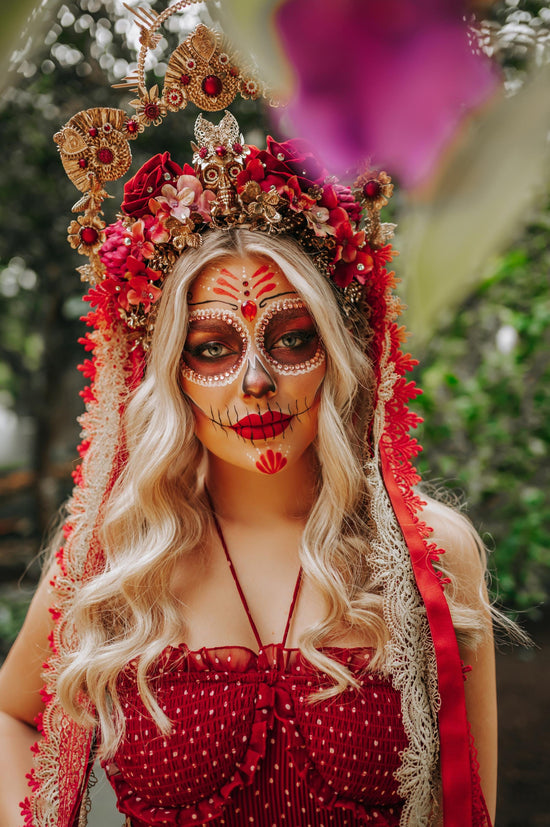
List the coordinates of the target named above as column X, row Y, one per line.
column 248, row 747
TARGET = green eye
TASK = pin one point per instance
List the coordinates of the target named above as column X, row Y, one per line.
column 294, row 339
column 211, row 350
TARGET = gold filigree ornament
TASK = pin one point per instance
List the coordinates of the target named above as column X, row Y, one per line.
column 94, row 144
column 202, row 70
column 85, row 234
column 150, row 108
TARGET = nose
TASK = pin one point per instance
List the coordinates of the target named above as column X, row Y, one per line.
column 257, row 381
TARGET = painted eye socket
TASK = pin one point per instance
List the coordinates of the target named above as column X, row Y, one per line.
column 233, row 171
column 211, row 174
column 213, row 348
column 290, row 338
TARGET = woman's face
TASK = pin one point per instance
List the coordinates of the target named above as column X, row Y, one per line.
column 252, row 365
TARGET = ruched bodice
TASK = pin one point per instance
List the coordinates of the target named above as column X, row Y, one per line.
column 248, row 747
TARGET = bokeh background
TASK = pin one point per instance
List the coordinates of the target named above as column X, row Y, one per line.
column 485, row 366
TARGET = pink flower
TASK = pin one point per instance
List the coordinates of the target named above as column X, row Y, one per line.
column 389, row 80
column 139, row 246
column 317, row 219
column 185, row 198
column 115, row 249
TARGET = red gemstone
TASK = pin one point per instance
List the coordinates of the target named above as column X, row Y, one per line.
column 203, row 151
column 83, row 163
column 237, row 148
column 105, row 155
column 132, row 127
column 151, row 111
column 233, row 72
column 185, row 80
column 88, row 235
column 372, row 189
column 221, row 151
column 249, row 310
column 212, row 86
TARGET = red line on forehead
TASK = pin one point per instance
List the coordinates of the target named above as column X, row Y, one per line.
column 225, row 283
column 260, row 270
column 266, row 289
column 225, row 288
column 225, row 272
column 268, row 275
column 220, row 291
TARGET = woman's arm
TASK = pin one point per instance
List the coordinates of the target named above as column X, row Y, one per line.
column 20, row 702
column 464, row 562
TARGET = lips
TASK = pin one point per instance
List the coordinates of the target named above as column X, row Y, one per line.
column 262, row 426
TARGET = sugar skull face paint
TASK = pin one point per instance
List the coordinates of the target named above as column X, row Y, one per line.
column 252, row 366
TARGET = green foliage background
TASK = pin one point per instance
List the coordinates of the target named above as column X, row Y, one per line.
column 486, row 404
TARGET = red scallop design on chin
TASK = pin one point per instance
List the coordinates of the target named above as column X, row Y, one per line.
column 271, row 462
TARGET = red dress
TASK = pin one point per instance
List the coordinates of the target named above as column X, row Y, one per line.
column 248, row 748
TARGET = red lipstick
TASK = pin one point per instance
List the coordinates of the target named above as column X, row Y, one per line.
column 262, row 426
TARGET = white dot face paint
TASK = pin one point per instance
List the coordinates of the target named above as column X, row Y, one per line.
column 252, row 365
column 215, row 348
column 287, row 338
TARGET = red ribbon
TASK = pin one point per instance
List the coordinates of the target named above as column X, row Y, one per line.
column 453, row 725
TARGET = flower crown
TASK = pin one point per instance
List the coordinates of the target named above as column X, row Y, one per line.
column 166, row 208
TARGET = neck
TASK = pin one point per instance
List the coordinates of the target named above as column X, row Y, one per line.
column 249, row 497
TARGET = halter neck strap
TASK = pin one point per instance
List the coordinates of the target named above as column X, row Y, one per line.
column 241, row 593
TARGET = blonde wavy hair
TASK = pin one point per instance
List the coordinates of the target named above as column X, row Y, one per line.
column 157, row 513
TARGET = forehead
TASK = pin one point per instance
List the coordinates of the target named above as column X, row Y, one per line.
column 236, row 280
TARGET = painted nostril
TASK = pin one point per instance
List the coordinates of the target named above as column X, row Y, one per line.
column 257, row 380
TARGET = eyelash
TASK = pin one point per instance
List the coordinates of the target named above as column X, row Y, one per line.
column 199, row 351
column 305, row 336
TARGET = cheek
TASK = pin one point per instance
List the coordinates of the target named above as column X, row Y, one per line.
column 302, row 387
column 207, row 402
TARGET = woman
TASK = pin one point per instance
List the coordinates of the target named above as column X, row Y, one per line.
column 246, row 625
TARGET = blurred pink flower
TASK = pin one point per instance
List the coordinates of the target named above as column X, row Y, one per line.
column 387, row 80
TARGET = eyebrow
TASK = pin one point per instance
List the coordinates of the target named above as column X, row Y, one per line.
column 267, row 299
column 213, row 301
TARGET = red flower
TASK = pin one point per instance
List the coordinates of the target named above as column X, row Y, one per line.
column 281, row 162
column 141, row 291
column 299, row 201
column 348, row 242
column 299, row 159
column 148, row 183
column 345, row 272
column 136, row 267
column 338, row 217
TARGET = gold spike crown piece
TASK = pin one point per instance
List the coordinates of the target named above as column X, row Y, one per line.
column 166, row 207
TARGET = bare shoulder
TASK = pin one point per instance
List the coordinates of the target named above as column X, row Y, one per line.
column 465, row 557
